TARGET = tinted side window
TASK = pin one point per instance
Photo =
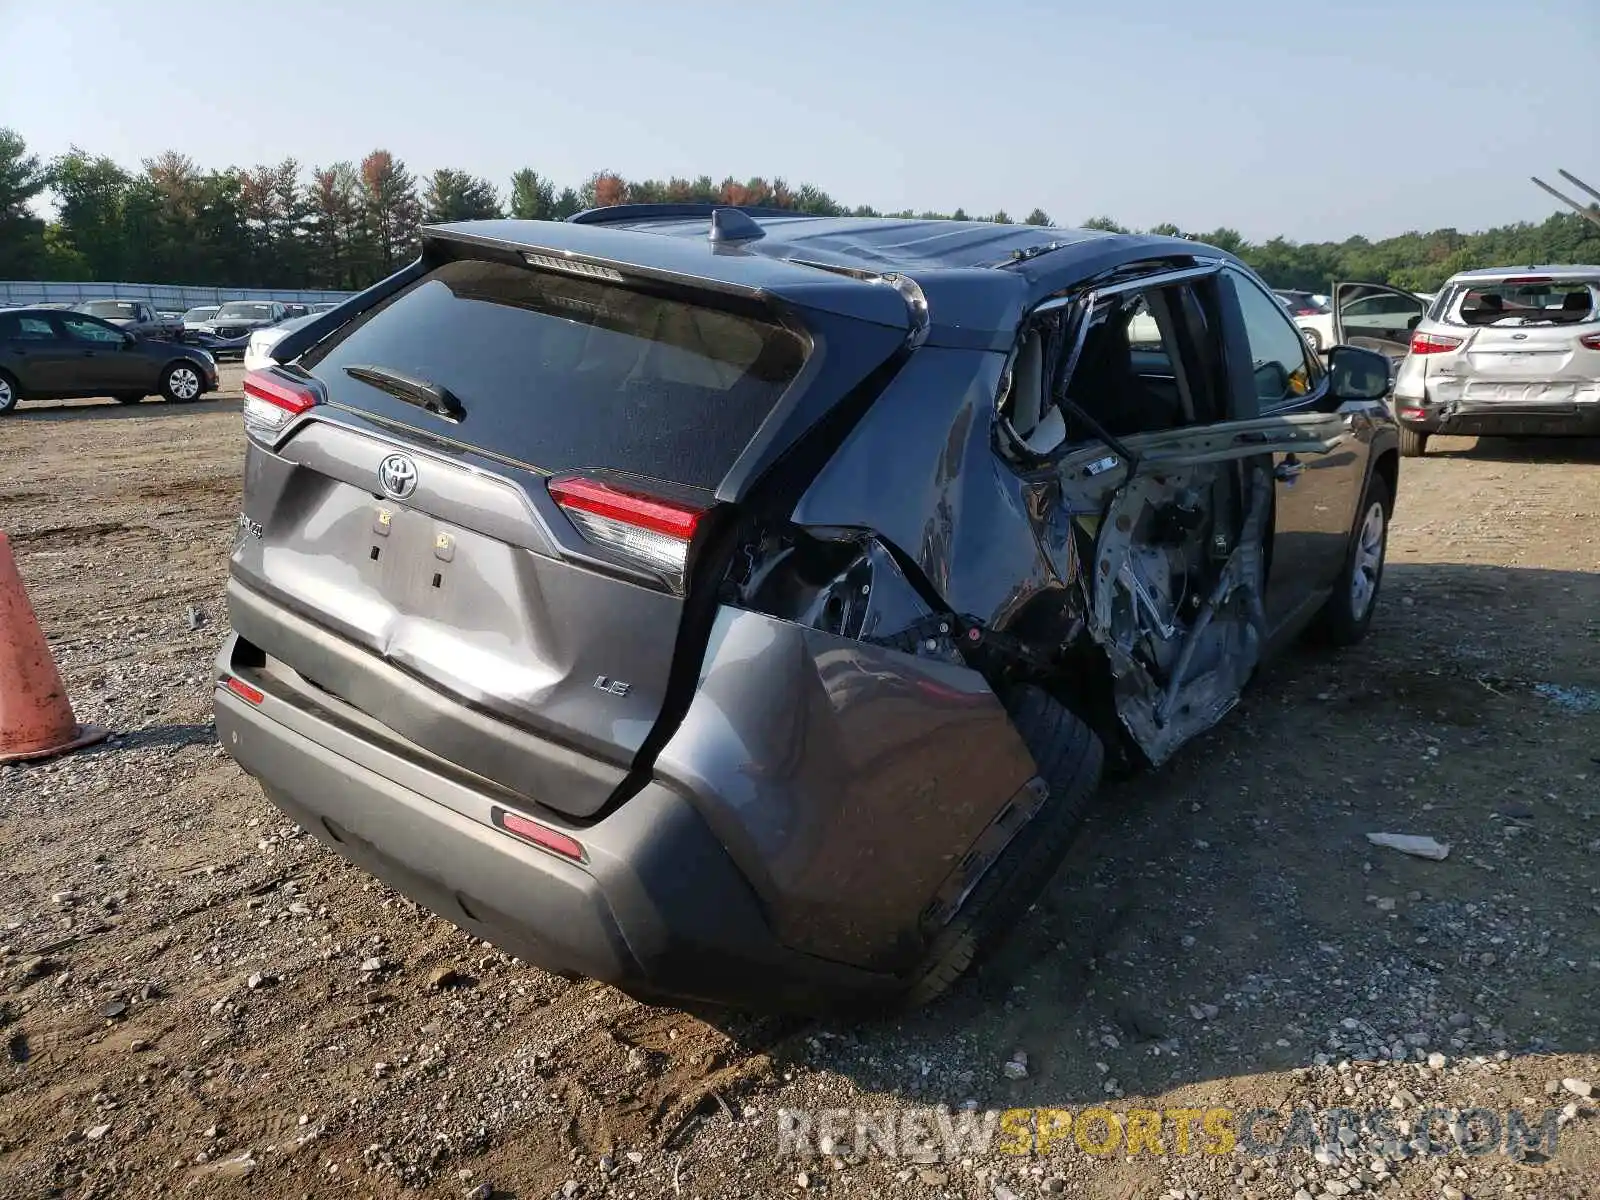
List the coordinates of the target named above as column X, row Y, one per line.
column 90, row 331
column 1282, row 366
column 27, row 329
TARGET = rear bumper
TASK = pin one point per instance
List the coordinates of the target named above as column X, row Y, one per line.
column 1568, row 421
column 1417, row 407
column 656, row 908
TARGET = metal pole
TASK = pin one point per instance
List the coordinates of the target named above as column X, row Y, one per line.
column 1583, row 210
column 1571, row 178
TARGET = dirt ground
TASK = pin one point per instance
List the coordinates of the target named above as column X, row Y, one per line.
column 197, row 999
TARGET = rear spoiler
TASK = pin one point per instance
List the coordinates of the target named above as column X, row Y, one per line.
column 297, row 343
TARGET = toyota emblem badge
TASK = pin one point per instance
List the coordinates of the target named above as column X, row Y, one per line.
column 397, row 475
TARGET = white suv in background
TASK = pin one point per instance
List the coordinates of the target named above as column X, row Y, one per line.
column 258, row 350
column 1501, row 352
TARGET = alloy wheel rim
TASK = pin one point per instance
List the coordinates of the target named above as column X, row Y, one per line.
column 185, row 384
column 1369, row 562
column 5, row 394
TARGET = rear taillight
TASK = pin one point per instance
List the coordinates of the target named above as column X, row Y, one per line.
column 272, row 400
column 1433, row 343
column 649, row 530
column 1590, row 341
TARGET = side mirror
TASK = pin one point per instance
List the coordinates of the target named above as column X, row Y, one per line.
column 129, row 339
column 1358, row 374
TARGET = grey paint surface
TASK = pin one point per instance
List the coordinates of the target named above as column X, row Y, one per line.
column 848, row 780
column 457, row 588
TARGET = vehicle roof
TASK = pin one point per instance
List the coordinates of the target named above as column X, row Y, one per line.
column 1483, row 274
column 977, row 277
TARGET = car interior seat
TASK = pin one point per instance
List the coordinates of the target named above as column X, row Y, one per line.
column 1575, row 305
column 1033, row 417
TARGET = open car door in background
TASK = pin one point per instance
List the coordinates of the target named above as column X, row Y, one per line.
column 1377, row 317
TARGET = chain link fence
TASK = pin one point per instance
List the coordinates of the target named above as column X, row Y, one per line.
column 164, row 296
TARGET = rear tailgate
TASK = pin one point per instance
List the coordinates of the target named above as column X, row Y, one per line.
column 445, row 593
column 1537, row 365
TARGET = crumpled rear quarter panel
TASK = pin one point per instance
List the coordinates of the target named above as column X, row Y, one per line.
column 921, row 471
column 847, row 780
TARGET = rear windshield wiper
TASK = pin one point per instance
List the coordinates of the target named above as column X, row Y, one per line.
column 436, row 398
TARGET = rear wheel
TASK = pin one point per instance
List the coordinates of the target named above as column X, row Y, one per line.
column 1413, row 442
column 180, row 382
column 1345, row 618
column 1313, row 337
column 10, row 393
column 1070, row 757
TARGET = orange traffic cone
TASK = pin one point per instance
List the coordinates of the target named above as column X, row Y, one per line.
column 36, row 717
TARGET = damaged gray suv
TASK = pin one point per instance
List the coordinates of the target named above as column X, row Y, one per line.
column 741, row 607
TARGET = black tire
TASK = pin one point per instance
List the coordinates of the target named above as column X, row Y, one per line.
column 128, row 397
column 1344, row 619
column 1070, row 757
column 1315, row 338
column 177, row 380
column 1413, row 442
column 10, row 393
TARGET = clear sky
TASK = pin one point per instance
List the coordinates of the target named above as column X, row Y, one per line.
column 1312, row 120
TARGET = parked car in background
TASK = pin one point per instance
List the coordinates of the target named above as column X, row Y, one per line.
column 1309, row 315
column 323, row 306
column 195, row 319
column 258, row 351
column 136, row 316
column 48, row 354
column 564, row 601
column 1367, row 310
column 1300, row 304
column 1502, row 352
column 228, row 332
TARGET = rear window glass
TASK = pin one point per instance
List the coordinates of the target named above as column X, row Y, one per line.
column 110, row 309
column 562, row 373
column 1514, row 303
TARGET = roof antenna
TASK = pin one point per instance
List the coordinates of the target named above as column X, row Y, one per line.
column 732, row 225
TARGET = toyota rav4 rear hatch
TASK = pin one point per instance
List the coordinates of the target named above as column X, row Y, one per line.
column 479, row 534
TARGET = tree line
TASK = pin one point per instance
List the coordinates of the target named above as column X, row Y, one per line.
column 347, row 225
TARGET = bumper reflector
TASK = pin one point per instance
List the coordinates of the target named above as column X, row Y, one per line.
column 244, row 691
column 540, row 835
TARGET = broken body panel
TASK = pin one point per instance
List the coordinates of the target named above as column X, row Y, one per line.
column 1170, row 619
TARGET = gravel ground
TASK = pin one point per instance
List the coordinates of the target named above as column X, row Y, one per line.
column 198, row 999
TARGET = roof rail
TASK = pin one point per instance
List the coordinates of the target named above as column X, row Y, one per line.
column 618, row 213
